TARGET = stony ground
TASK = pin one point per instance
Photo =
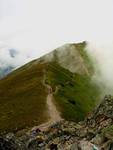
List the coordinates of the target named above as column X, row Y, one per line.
column 94, row 133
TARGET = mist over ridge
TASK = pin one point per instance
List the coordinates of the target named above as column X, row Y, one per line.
column 102, row 57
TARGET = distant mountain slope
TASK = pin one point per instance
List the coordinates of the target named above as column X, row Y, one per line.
column 10, row 59
column 23, row 94
column 7, row 67
column 5, row 70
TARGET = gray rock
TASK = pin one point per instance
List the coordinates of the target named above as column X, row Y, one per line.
column 74, row 146
column 98, row 139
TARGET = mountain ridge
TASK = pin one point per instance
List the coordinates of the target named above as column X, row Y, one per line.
column 24, row 105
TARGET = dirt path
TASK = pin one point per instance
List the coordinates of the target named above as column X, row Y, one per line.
column 53, row 113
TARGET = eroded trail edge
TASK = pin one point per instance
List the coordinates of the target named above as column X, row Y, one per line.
column 53, row 113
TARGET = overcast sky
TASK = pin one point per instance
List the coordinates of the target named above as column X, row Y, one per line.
column 35, row 27
column 38, row 26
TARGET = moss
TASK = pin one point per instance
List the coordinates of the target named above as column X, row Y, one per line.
column 108, row 131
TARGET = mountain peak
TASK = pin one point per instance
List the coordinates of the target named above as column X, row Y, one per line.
column 71, row 56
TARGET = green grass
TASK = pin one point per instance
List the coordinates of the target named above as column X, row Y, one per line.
column 76, row 95
column 108, row 131
column 22, row 99
column 23, row 96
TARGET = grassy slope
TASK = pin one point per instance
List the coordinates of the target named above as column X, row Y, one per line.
column 76, row 95
column 22, row 98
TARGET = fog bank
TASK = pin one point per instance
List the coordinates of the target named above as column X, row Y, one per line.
column 102, row 57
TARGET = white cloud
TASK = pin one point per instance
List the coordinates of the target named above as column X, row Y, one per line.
column 103, row 58
column 35, row 27
column 40, row 25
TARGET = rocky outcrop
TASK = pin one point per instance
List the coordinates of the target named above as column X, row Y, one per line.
column 94, row 133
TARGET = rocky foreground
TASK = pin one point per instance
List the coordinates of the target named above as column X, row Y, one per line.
column 94, row 133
